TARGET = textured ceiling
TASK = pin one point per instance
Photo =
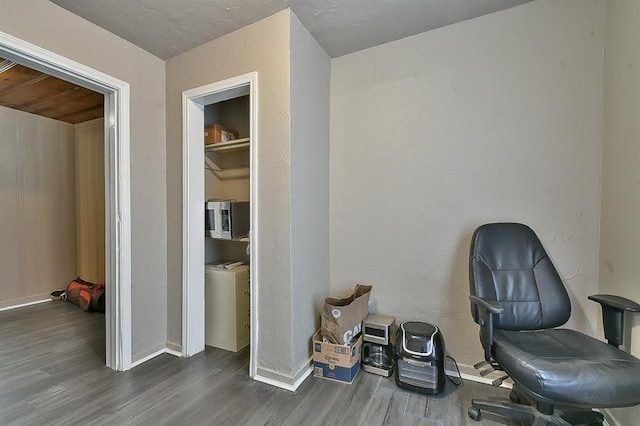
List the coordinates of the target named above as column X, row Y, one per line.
column 167, row 28
column 342, row 27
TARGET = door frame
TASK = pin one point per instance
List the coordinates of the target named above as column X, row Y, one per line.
column 193, row 251
column 117, row 184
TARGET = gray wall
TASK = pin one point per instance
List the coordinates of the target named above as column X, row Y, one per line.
column 49, row 26
column 310, row 76
column 620, row 227
column 293, row 180
column 38, row 199
column 494, row 119
column 261, row 47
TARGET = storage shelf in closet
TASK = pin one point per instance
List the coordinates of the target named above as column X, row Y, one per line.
column 228, row 147
column 241, row 240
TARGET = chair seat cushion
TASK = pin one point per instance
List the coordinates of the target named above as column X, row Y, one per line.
column 569, row 367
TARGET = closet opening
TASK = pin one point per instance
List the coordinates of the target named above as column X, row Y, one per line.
column 220, row 276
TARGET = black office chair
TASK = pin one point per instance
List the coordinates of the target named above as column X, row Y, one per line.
column 518, row 299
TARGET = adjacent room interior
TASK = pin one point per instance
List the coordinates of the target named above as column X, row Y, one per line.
column 53, row 177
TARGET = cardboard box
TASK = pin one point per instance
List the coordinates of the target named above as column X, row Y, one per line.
column 216, row 133
column 336, row 362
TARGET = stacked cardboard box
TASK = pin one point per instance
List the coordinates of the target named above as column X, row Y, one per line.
column 336, row 362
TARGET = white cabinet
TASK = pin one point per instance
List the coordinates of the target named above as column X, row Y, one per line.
column 227, row 307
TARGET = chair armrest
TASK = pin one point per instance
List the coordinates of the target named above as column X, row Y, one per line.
column 486, row 310
column 613, row 308
column 616, row 302
column 489, row 305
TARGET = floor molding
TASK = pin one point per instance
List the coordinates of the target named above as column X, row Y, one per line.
column 282, row 381
column 273, row 382
column 148, row 357
column 167, row 350
column 303, row 376
column 174, row 349
column 467, row 372
column 22, row 305
column 174, row 352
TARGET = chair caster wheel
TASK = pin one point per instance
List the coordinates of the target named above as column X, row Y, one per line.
column 514, row 397
column 474, row 413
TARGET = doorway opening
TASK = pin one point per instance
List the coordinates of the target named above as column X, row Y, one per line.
column 117, row 188
column 215, row 249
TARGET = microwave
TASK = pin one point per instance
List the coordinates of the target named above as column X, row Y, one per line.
column 227, row 219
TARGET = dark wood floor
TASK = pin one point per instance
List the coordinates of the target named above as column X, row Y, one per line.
column 52, row 373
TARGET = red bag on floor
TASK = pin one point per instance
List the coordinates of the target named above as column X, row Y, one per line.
column 87, row 295
column 97, row 298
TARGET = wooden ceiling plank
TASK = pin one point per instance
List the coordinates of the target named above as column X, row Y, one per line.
column 16, row 75
column 69, row 108
column 31, row 91
column 34, row 93
column 24, row 84
column 66, row 99
column 82, row 116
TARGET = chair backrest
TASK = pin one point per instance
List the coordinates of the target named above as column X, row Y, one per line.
column 508, row 264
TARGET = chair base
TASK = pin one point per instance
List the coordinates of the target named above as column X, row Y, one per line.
column 533, row 416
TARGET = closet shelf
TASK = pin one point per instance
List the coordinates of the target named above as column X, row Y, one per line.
column 242, row 240
column 228, row 147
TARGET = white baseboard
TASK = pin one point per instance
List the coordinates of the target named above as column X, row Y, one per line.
column 147, row 358
column 174, row 349
column 283, row 381
column 264, row 375
column 273, row 382
column 273, row 378
column 305, row 373
column 177, row 354
column 168, row 350
column 39, row 299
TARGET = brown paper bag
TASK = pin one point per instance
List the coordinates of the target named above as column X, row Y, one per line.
column 342, row 318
